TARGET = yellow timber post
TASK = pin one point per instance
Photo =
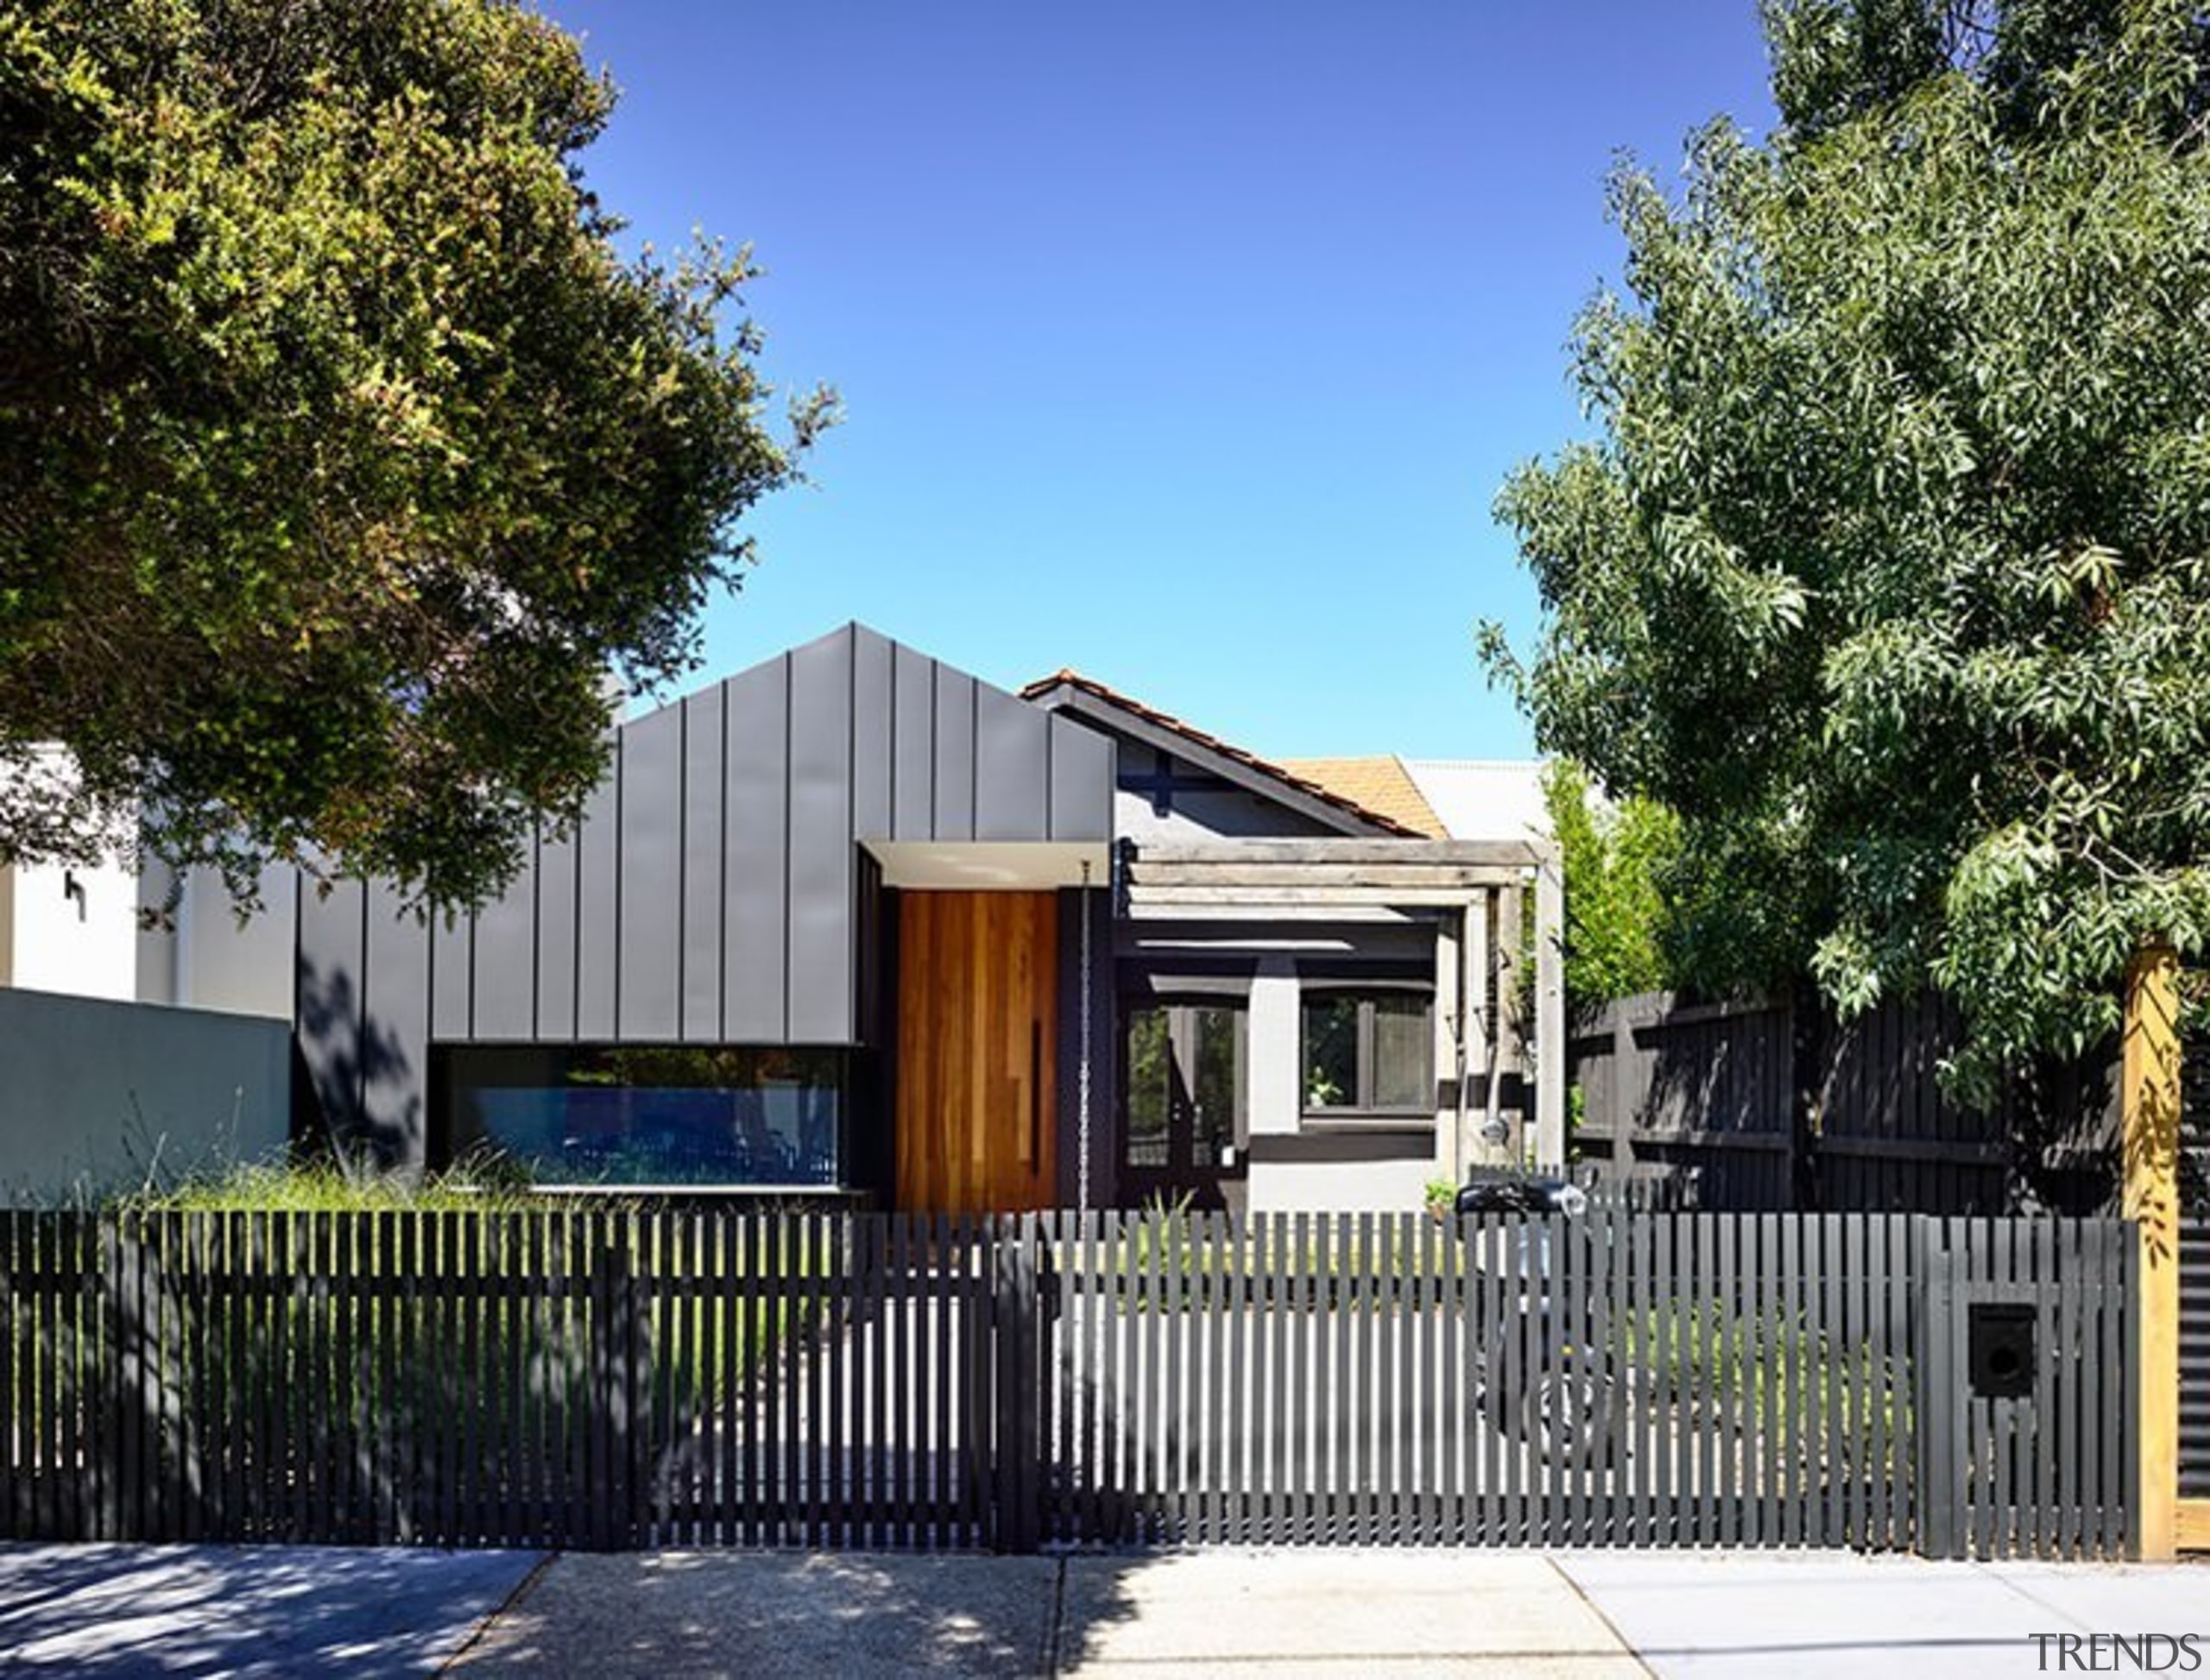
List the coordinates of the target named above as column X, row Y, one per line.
column 2151, row 1073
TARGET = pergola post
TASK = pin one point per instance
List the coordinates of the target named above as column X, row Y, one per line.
column 1549, row 1011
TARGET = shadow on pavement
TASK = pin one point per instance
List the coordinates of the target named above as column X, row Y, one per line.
column 102, row 1610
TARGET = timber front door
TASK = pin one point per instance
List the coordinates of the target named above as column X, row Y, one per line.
column 976, row 1080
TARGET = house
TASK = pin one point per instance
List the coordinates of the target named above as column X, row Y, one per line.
column 853, row 923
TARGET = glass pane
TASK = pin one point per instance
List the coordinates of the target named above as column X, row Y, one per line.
column 1218, row 1101
column 1404, row 1041
column 723, row 1115
column 1144, row 1087
column 1331, row 1053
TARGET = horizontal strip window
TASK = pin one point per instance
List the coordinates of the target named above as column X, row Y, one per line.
column 741, row 1117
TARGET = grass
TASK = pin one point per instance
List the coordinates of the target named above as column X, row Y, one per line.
column 337, row 1184
column 473, row 1222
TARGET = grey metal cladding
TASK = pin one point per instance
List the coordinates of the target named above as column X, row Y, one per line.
column 912, row 745
column 556, row 939
column 394, row 1038
column 452, row 974
column 711, row 891
column 650, row 861
column 953, row 803
column 505, row 963
column 755, row 921
column 1081, row 782
column 1011, row 767
column 821, row 904
column 873, row 695
column 705, row 792
column 598, row 890
column 332, row 960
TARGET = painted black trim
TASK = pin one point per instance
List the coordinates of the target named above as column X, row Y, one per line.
column 1365, row 1143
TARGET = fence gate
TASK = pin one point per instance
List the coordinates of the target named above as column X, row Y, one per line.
column 824, row 1380
column 1875, row 1381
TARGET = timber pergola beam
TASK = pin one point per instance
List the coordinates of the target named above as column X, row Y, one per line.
column 1309, row 878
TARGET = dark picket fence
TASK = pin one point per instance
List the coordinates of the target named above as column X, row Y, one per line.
column 611, row 1381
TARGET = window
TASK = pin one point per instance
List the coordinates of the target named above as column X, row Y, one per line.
column 1182, row 1081
column 725, row 1115
column 1368, row 1053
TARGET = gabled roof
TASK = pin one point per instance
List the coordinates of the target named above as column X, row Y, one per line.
column 1085, row 697
column 1380, row 783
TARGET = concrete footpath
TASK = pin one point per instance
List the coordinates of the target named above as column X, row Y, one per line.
column 287, row 1611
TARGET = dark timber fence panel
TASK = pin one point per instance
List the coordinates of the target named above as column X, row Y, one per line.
column 611, row 1380
column 1755, row 1104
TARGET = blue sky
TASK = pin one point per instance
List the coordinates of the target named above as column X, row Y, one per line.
column 1184, row 343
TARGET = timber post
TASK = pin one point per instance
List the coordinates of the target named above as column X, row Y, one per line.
column 2151, row 1096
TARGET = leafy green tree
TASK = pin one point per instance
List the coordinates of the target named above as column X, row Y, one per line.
column 341, row 456
column 1888, row 568
column 1615, row 856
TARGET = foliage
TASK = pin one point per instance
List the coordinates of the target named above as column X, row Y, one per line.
column 336, row 1185
column 1887, row 571
column 341, row 455
column 1618, row 918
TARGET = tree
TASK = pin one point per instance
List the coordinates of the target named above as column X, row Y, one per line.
column 1616, row 857
column 342, row 458
column 1887, row 570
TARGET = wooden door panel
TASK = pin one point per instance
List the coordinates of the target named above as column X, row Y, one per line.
column 976, row 1075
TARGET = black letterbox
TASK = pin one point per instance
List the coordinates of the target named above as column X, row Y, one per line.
column 2001, row 1353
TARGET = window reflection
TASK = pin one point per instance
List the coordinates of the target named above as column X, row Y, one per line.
column 651, row 1115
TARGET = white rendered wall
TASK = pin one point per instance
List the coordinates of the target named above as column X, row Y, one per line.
column 73, row 929
column 1339, row 1186
column 1275, row 1072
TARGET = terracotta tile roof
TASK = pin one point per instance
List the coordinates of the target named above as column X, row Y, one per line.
column 1304, row 784
column 1380, row 783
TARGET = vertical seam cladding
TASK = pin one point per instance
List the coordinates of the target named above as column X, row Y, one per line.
column 890, row 752
column 851, row 838
column 620, row 741
column 536, row 928
column 790, row 792
column 682, row 867
column 721, row 916
column 576, row 929
column 429, row 979
column 468, row 992
column 361, row 1022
